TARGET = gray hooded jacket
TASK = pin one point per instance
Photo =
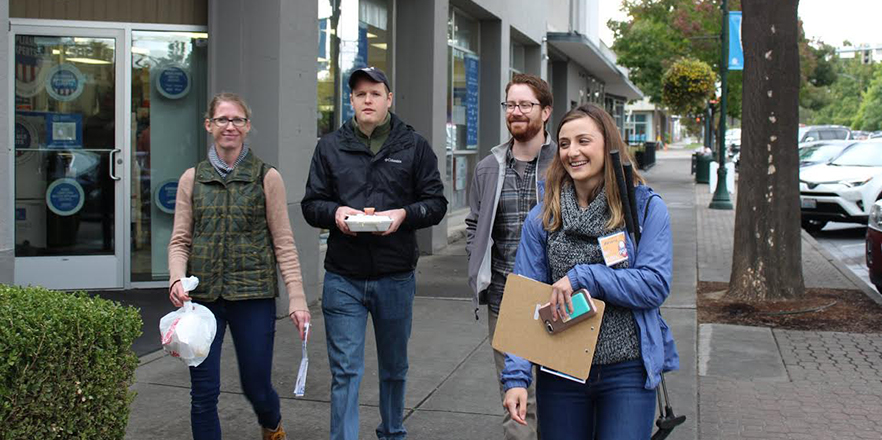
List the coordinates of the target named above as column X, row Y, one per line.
column 483, row 201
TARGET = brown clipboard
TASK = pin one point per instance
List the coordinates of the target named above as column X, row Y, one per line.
column 519, row 331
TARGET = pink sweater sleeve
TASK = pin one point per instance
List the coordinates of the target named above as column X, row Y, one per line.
column 182, row 230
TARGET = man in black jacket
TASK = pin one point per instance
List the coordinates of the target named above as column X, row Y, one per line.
column 376, row 161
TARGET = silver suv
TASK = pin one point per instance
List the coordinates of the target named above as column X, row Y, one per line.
column 823, row 133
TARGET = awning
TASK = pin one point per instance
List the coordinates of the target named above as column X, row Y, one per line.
column 585, row 53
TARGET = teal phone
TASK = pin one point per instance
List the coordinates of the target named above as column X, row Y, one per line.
column 580, row 305
column 583, row 308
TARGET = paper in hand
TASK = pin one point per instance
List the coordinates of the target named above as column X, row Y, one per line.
column 300, row 386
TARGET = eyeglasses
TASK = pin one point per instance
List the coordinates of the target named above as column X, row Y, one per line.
column 222, row 122
column 526, row 107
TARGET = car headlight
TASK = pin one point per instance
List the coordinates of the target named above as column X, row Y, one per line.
column 851, row 183
column 876, row 216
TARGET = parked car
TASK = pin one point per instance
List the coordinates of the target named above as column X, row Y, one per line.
column 813, row 153
column 859, row 135
column 843, row 189
column 811, row 133
column 874, row 245
column 733, row 141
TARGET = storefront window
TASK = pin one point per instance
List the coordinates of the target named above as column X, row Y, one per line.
column 636, row 128
column 616, row 109
column 352, row 34
column 516, row 58
column 462, row 105
column 640, row 129
column 169, row 92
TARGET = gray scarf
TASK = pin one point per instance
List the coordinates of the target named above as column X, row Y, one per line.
column 222, row 168
column 575, row 242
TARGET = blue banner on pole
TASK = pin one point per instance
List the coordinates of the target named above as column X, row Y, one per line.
column 736, row 54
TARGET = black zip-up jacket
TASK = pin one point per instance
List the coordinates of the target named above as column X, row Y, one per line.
column 403, row 174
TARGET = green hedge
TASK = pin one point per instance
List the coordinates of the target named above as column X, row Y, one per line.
column 66, row 364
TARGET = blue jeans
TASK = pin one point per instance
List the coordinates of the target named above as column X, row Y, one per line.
column 253, row 326
column 611, row 405
column 346, row 303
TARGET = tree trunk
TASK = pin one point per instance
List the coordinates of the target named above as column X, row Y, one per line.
column 767, row 258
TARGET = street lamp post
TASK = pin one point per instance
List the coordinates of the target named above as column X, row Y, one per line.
column 721, row 195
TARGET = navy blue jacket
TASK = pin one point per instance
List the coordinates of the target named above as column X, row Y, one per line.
column 642, row 287
column 403, row 174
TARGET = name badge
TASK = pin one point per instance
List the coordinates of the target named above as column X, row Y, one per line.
column 613, row 247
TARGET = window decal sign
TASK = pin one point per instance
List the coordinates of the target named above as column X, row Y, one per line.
column 65, row 197
column 65, row 82
column 172, row 81
column 30, row 69
column 165, row 196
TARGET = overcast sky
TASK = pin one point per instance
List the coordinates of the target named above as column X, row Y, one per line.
column 831, row 21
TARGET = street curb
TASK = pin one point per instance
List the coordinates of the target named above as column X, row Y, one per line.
column 842, row 268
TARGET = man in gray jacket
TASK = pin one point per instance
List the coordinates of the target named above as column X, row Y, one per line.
column 504, row 189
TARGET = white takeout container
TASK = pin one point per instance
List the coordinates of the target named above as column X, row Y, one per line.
column 368, row 223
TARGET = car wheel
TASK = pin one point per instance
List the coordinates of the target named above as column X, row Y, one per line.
column 812, row 226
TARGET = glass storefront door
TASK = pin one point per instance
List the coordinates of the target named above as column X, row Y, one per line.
column 94, row 185
column 69, row 157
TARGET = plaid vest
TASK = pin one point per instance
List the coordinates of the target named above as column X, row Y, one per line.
column 232, row 249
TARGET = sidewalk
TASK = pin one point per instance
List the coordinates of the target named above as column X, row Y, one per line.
column 781, row 384
column 748, row 382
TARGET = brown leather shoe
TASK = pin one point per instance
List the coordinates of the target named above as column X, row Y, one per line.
column 274, row 434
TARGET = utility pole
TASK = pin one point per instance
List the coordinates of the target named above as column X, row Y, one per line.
column 721, row 195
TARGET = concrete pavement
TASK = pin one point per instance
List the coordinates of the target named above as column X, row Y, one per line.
column 766, row 383
column 748, row 383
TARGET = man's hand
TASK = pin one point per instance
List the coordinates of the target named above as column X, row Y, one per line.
column 397, row 216
column 516, row 404
column 561, row 298
column 300, row 319
column 177, row 295
column 340, row 218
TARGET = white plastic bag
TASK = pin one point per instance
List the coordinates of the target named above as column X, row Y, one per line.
column 300, row 386
column 187, row 333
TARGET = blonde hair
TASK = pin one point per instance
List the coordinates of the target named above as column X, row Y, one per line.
column 227, row 97
column 556, row 177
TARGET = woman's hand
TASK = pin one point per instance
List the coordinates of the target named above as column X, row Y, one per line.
column 561, row 298
column 300, row 319
column 177, row 295
column 516, row 404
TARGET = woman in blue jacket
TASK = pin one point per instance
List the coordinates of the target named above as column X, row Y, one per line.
column 559, row 245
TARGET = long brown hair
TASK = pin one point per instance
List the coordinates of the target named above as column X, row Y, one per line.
column 556, row 177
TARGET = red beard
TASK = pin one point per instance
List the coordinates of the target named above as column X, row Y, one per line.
column 526, row 133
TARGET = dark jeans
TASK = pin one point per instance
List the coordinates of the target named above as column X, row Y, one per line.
column 346, row 303
column 253, row 327
column 612, row 405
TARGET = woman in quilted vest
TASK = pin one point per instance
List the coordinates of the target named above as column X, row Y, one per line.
column 560, row 245
column 231, row 229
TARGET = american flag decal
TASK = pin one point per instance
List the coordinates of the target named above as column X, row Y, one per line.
column 27, row 66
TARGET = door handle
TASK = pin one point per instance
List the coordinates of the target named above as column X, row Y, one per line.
column 113, row 164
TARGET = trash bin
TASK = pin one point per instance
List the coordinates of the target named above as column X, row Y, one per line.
column 648, row 155
column 702, row 167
